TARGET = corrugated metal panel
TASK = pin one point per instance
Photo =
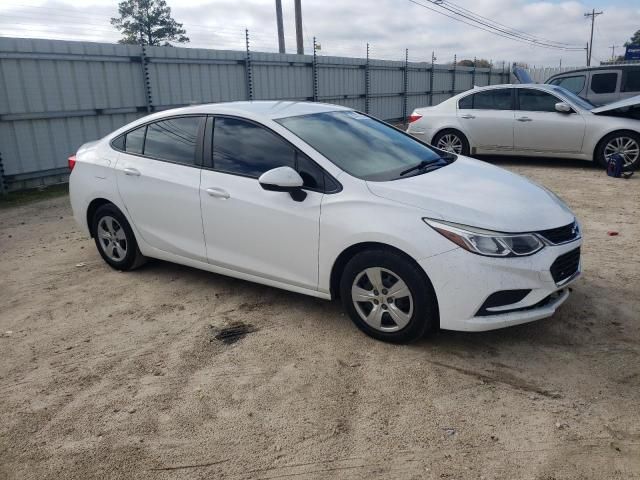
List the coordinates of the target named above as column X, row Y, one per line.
column 56, row 95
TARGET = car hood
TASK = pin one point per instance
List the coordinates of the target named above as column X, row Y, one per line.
column 625, row 103
column 475, row 193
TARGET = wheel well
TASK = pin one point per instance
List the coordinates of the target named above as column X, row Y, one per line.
column 352, row 251
column 597, row 147
column 91, row 210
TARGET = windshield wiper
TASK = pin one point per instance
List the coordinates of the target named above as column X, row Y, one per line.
column 423, row 164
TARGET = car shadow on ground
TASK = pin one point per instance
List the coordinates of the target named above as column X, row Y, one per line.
column 557, row 330
column 544, row 162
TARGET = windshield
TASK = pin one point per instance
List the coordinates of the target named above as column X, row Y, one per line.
column 361, row 146
column 572, row 97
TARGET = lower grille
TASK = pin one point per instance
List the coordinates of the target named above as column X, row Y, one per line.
column 565, row 265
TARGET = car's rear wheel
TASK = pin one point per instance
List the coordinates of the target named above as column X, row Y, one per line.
column 387, row 296
column 626, row 143
column 115, row 239
column 451, row 141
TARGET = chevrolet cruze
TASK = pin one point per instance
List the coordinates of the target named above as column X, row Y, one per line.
column 326, row 201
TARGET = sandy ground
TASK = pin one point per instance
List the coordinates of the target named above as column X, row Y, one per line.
column 119, row 375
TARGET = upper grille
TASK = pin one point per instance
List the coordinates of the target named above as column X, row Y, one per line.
column 561, row 234
column 565, row 265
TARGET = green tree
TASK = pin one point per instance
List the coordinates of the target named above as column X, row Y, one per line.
column 148, row 22
column 635, row 40
column 480, row 63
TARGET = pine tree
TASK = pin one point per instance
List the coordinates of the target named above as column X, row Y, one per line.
column 148, row 22
column 635, row 40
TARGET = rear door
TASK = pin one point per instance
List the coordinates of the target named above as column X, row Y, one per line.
column 539, row 128
column 604, row 86
column 249, row 229
column 158, row 177
column 486, row 118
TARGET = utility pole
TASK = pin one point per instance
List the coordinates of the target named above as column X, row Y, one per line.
column 281, row 48
column 613, row 52
column 299, row 42
column 593, row 14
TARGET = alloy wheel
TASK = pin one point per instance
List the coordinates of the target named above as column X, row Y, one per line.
column 112, row 237
column 382, row 299
column 625, row 146
column 450, row 142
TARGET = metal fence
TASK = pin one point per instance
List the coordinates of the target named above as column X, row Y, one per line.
column 57, row 95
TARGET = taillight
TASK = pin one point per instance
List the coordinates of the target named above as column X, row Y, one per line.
column 414, row 117
column 72, row 162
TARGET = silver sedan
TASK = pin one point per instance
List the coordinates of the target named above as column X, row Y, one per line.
column 531, row 120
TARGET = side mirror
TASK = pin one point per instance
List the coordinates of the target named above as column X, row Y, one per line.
column 563, row 107
column 283, row 179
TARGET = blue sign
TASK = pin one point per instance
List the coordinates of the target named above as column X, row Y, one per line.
column 632, row 53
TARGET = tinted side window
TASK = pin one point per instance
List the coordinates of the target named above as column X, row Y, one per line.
column 135, row 140
column 604, row 82
column 573, row 84
column 311, row 173
column 246, row 149
column 499, row 99
column 466, row 102
column 631, row 81
column 118, row 143
column 536, row 101
column 173, row 140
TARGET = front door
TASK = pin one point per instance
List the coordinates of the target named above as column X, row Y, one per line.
column 159, row 181
column 539, row 128
column 247, row 228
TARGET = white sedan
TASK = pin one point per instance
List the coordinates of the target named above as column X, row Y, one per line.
column 531, row 120
column 325, row 201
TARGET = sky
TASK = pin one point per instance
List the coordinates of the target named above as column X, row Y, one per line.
column 343, row 27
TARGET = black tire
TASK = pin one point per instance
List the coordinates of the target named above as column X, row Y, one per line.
column 450, row 131
column 132, row 258
column 599, row 156
column 424, row 316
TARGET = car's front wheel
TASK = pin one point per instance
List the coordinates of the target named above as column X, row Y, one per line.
column 387, row 296
column 626, row 143
column 115, row 239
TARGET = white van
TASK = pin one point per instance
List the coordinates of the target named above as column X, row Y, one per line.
column 601, row 85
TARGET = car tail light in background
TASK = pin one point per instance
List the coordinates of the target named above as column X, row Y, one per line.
column 413, row 117
column 72, row 162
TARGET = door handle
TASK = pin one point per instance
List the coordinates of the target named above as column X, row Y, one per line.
column 524, row 119
column 217, row 193
column 131, row 171
column 467, row 116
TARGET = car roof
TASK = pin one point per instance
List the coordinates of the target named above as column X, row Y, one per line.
column 539, row 86
column 259, row 110
column 615, row 66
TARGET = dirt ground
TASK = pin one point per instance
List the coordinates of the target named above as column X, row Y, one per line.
column 119, row 375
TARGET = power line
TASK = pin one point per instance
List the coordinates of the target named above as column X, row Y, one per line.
column 533, row 37
column 491, row 29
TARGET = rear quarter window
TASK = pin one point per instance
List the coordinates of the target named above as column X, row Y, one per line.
column 604, row 82
column 631, row 81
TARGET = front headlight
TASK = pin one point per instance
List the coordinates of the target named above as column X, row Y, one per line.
column 485, row 242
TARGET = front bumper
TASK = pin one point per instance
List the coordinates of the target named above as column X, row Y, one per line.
column 463, row 281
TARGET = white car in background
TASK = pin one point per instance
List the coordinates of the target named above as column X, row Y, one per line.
column 531, row 120
column 325, row 201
